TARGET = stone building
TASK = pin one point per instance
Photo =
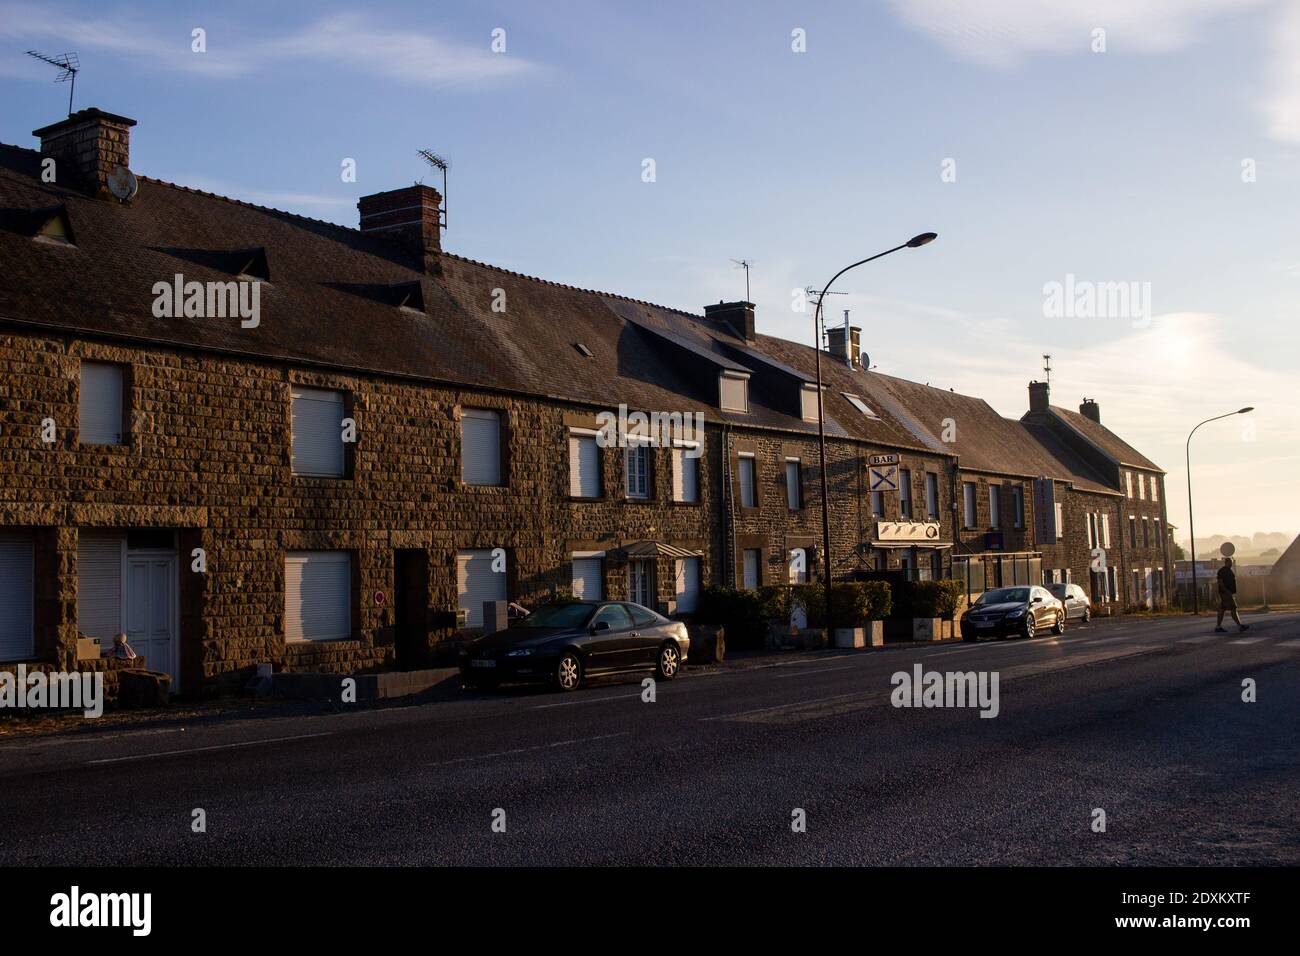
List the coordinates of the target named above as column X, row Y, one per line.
column 248, row 437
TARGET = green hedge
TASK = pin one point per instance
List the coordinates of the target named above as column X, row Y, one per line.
column 738, row 612
column 936, row 598
column 853, row 603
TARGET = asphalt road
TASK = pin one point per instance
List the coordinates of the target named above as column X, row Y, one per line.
column 1141, row 719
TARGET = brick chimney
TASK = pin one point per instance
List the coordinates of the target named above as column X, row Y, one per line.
column 1038, row 397
column 86, row 147
column 408, row 217
column 1090, row 409
column 738, row 316
column 850, row 354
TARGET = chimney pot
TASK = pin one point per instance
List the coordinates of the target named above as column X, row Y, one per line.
column 410, row 218
column 1038, row 397
column 86, row 147
column 1090, row 409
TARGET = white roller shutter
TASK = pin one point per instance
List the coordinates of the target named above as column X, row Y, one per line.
column 317, row 595
column 686, row 474
column 17, row 640
column 476, row 582
column 748, row 489
column 792, row 489
column 101, row 404
column 318, row 433
column 688, row 584
column 587, row 579
column 480, row 446
column 733, row 393
column 750, row 571
column 584, row 466
column 99, row 586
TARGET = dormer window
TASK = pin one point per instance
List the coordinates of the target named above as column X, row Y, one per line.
column 860, row 405
column 733, row 391
column 808, row 402
column 53, row 226
column 251, row 264
column 408, row 295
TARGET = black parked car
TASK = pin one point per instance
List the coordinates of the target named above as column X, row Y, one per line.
column 568, row 642
column 1016, row 610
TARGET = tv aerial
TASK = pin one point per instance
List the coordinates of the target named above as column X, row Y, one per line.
column 744, row 264
column 443, row 164
column 69, row 64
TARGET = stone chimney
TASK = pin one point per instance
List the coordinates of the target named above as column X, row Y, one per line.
column 738, row 316
column 1038, row 401
column 408, row 217
column 850, row 354
column 86, row 147
column 1090, row 409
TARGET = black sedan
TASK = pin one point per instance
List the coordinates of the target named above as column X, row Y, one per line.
column 568, row 642
column 1022, row 611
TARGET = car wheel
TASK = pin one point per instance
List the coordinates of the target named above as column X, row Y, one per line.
column 1059, row 626
column 670, row 661
column 568, row 672
column 1028, row 630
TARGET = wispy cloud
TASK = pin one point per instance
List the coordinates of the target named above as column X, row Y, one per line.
column 349, row 41
column 289, row 201
column 1282, row 100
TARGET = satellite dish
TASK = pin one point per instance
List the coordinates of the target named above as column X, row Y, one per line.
column 122, row 183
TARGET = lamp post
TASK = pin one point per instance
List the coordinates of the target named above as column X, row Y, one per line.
column 913, row 243
column 1191, row 523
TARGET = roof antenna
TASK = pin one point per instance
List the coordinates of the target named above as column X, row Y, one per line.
column 815, row 295
column 744, row 264
column 1047, row 368
column 438, row 162
column 69, row 64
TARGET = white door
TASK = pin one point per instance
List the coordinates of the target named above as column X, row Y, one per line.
column 17, row 637
column 688, row 584
column 639, row 589
column 749, row 573
column 150, row 602
column 798, row 575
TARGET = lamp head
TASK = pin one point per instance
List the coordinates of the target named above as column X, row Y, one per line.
column 1243, row 411
column 921, row 240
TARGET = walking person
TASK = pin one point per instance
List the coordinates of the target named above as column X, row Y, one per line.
column 1228, row 597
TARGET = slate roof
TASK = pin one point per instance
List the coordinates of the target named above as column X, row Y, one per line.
column 1110, row 444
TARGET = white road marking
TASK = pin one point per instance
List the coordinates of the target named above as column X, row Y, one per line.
column 524, row 750
column 763, row 710
column 1204, row 638
column 818, row 670
column 1295, row 643
column 585, row 700
column 1247, row 640
column 195, row 750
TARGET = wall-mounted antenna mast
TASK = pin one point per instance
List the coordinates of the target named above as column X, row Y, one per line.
column 744, row 264
column 438, row 162
column 69, row 64
column 1047, row 368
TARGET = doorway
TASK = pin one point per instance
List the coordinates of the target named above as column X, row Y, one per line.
column 411, row 607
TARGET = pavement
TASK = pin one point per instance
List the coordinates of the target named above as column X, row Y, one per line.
column 1143, row 719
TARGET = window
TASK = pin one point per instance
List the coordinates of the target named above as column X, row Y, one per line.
column 1155, row 487
column 1128, row 484
column 1105, row 530
column 798, row 566
column 1142, row 486
column 587, row 577
column 1018, row 505
column 686, row 474
column 995, row 506
column 733, row 392
column 17, row 597
column 102, row 408
column 905, row 492
column 1092, row 530
column 99, row 585
column 584, row 466
column 641, row 616
column 640, row 582
column 479, row 578
column 317, row 595
column 860, row 405
column 751, row 562
column 877, row 504
column 748, row 482
column 480, row 446
column 318, row 433
column 687, row 585
column 808, row 402
column 1132, row 531
column 638, row 471
column 1146, row 533
column 1155, row 536
column 1060, row 522
column 615, row 615
column 969, row 517
column 931, row 496
column 793, row 484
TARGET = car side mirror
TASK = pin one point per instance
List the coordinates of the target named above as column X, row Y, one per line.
column 1036, row 600
column 600, row 626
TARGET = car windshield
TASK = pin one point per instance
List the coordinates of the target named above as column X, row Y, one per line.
column 1057, row 589
column 1004, row 596
column 557, row 615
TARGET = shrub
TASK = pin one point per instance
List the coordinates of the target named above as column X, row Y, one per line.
column 936, row 598
column 774, row 602
column 738, row 612
column 853, row 603
column 880, row 599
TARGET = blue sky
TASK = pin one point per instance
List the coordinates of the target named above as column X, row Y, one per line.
column 1117, row 166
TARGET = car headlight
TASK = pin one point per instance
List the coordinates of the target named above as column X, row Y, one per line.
column 1018, row 612
column 521, row 652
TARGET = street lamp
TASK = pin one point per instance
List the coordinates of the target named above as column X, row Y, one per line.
column 1191, row 524
column 915, row 242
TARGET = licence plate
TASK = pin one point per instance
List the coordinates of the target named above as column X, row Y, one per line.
column 984, row 626
column 481, row 663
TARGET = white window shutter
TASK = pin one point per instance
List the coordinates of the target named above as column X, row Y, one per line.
column 747, row 485
column 688, row 584
column 476, row 583
column 584, row 467
column 480, row 446
column 587, row 579
column 792, row 484
column 318, row 432
column 750, row 571
column 1105, row 530
column 101, row 404
column 17, row 634
column 733, row 393
column 317, row 595
column 99, row 586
